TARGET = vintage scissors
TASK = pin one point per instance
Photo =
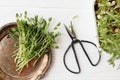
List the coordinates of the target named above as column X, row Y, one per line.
column 75, row 41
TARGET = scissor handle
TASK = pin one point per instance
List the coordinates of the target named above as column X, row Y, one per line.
column 64, row 58
column 81, row 44
column 84, row 41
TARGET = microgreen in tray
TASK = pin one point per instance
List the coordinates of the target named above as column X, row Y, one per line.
column 108, row 25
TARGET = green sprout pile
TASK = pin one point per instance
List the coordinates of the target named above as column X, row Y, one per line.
column 34, row 39
column 108, row 24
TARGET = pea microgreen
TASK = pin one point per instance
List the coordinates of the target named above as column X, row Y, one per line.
column 108, row 25
column 34, row 39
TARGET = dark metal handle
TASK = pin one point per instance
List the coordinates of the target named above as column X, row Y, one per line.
column 87, row 54
column 78, row 65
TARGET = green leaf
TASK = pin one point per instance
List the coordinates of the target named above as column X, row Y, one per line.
column 50, row 19
column 59, row 24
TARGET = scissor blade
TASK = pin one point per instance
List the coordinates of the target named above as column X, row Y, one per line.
column 69, row 32
column 72, row 30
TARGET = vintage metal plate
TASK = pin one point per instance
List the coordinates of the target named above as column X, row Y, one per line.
column 7, row 64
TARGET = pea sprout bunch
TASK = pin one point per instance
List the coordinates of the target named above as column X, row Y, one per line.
column 33, row 39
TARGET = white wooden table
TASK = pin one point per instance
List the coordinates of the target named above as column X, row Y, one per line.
column 85, row 27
